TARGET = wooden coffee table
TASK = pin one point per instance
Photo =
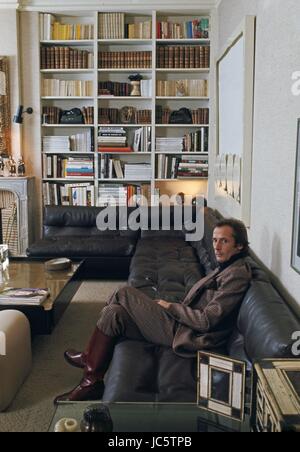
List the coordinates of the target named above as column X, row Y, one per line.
column 62, row 286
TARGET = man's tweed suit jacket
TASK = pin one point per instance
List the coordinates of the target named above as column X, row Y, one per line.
column 208, row 314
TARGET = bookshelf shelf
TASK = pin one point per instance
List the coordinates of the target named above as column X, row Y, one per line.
column 182, row 126
column 78, row 42
column 67, row 126
column 127, row 43
column 128, row 70
column 181, row 98
column 124, row 125
column 126, row 153
column 125, row 181
column 67, row 71
column 124, row 98
column 204, row 154
column 69, row 180
column 67, row 98
column 183, row 41
column 180, row 179
column 183, row 70
column 73, row 153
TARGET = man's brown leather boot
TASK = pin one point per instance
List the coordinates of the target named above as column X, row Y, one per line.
column 75, row 358
column 99, row 354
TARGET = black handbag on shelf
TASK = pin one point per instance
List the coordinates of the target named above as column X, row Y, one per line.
column 73, row 116
column 182, row 116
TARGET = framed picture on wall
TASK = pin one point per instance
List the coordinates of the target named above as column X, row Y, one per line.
column 296, row 227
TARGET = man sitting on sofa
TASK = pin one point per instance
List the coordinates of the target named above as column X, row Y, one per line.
column 203, row 321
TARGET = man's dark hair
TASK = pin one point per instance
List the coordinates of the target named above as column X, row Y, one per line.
column 240, row 233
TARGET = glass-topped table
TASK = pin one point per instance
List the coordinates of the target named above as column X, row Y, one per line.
column 155, row 417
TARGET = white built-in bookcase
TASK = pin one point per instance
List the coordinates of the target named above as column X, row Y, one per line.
column 96, row 74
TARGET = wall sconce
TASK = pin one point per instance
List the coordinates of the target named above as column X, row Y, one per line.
column 18, row 118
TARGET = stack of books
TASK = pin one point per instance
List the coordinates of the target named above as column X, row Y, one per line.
column 80, row 142
column 66, row 58
column 124, row 195
column 78, row 194
column 140, row 30
column 176, row 57
column 56, row 144
column 114, row 89
column 182, row 88
column 66, row 88
column 112, row 139
column 173, row 167
column 125, row 60
column 79, row 167
column 197, row 141
column 189, row 168
column 169, row 145
column 192, row 29
column 140, row 171
column 15, row 297
column 50, row 29
column 112, row 26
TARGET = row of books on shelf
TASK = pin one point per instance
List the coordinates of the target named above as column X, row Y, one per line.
column 53, row 115
column 124, row 89
column 192, row 142
column 80, row 142
column 126, row 115
column 124, row 195
column 125, row 60
column 52, row 29
column 66, row 58
column 114, row 26
column 112, row 138
column 171, row 167
column 112, row 168
column 182, row 88
column 120, row 26
column 55, row 166
column 65, row 88
column 197, row 28
column 130, row 115
column 185, row 57
column 79, row 194
column 199, row 116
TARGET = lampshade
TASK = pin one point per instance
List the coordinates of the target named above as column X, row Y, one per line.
column 2, row 84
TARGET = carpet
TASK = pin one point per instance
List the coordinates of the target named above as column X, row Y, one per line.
column 32, row 409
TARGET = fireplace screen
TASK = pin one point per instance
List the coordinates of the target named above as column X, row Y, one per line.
column 9, row 221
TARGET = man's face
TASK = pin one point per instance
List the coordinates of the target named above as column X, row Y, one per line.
column 224, row 244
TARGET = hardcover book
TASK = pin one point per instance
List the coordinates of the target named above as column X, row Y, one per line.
column 18, row 296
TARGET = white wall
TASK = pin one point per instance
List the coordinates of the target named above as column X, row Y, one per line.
column 275, row 121
column 9, row 47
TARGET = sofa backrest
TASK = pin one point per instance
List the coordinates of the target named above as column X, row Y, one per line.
column 65, row 221
column 266, row 323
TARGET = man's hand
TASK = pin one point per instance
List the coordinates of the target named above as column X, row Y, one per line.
column 163, row 303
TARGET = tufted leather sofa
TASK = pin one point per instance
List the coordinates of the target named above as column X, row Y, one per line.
column 163, row 265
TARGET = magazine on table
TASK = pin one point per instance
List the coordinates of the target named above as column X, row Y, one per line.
column 17, row 296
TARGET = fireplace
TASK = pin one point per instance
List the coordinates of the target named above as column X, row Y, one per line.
column 16, row 214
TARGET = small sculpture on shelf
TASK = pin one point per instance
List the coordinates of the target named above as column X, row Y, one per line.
column 2, row 166
column 135, row 80
column 12, row 167
column 21, row 168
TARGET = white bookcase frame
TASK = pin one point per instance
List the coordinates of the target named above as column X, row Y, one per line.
column 145, row 102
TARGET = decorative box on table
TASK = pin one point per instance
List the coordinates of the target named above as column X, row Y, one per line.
column 277, row 396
